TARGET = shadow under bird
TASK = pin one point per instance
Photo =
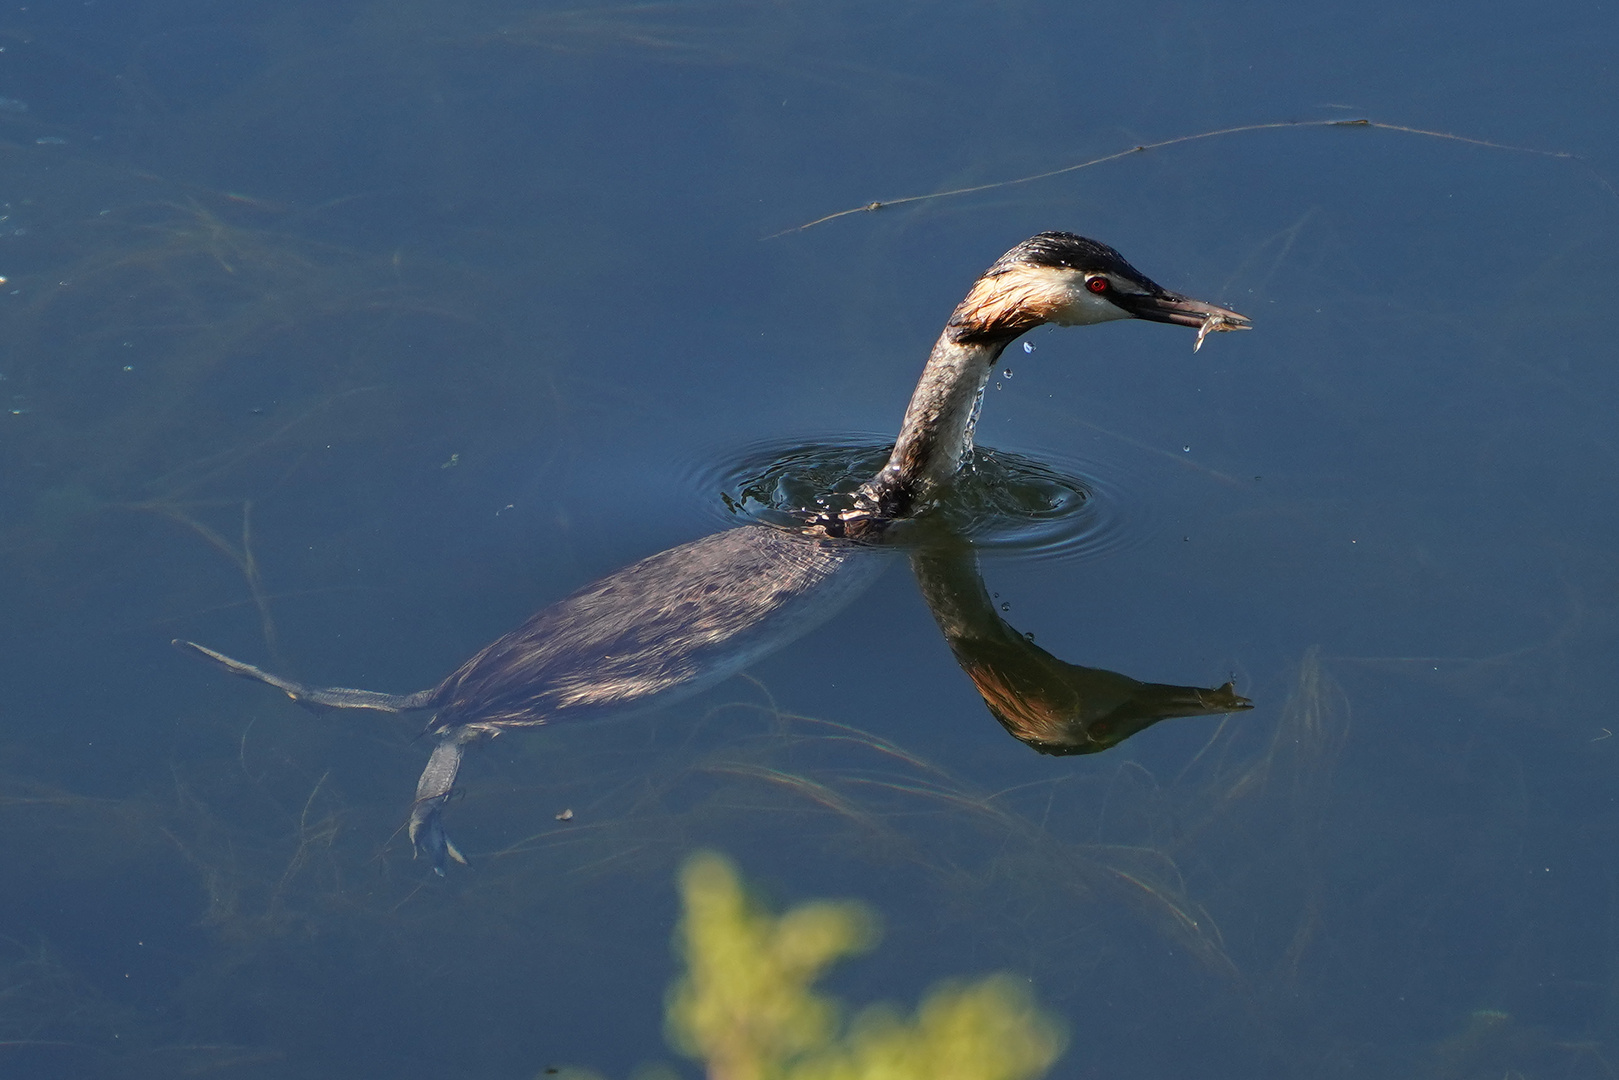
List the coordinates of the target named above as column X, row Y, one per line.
column 686, row 618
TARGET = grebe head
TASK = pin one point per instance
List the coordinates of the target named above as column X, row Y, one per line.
column 1054, row 277
column 1057, row 277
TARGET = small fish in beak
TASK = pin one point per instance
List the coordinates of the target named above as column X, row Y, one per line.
column 1218, row 322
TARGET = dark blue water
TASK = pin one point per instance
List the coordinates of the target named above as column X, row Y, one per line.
column 341, row 337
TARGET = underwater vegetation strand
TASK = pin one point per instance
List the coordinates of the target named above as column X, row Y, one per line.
column 747, row 1008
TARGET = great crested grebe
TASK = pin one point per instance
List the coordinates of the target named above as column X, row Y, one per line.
column 1054, row 277
column 686, row 618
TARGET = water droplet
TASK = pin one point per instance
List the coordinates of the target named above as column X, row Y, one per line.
column 129, row 367
column 1186, row 449
column 1028, row 346
column 1006, row 607
column 1007, row 374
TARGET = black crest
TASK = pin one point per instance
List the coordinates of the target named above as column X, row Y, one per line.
column 1069, row 252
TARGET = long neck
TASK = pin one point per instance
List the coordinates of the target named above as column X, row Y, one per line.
column 938, row 428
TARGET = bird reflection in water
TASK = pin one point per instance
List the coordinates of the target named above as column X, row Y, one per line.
column 684, row 619
column 1051, row 705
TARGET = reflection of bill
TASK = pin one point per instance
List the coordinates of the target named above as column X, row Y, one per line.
column 1054, row 706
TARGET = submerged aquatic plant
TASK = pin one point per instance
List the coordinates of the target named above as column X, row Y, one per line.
column 747, row 1008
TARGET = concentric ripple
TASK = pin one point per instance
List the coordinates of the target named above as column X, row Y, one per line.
column 1002, row 501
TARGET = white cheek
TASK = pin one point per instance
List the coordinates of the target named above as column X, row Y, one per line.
column 1083, row 308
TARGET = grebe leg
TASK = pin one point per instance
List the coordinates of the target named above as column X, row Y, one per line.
column 333, row 697
column 432, row 792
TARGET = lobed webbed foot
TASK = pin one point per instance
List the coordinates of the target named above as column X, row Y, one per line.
column 428, row 837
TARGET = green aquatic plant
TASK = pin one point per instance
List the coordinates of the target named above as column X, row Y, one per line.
column 748, row 1009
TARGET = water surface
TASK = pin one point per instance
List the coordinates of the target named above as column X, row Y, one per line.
column 343, row 337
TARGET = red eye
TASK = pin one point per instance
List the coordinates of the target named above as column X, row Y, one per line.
column 1097, row 284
